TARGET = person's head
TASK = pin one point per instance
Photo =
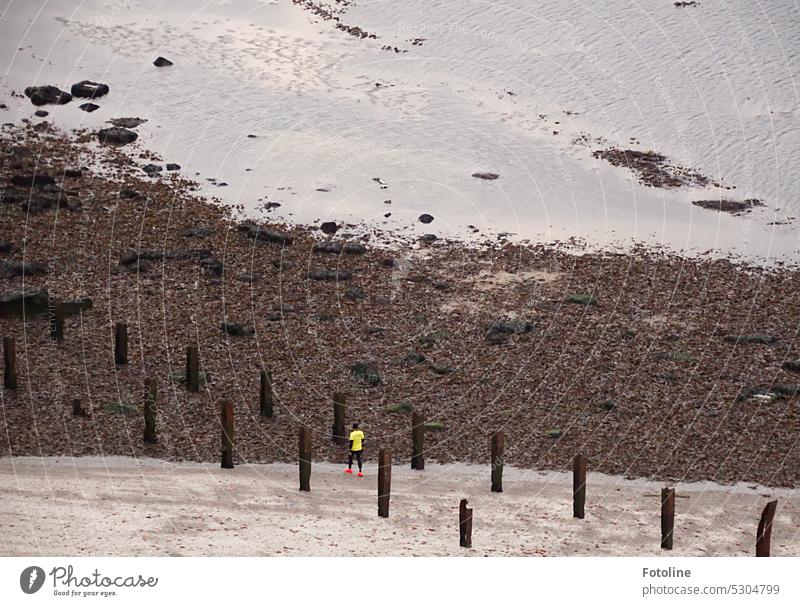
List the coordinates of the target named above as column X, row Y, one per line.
column 355, row 425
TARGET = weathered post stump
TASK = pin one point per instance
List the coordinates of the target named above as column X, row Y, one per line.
column 57, row 323
column 266, row 394
column 304, row 456
column 121, row 343
column 150, row 410
column 417, row 441
column 764, row 532
column 579, row 487
column 498, row 450
column 384, row 482
column 226, row 421
column 667, row 517
column 464, row 524
column 339, row 432
column 192, row 369
column 9, row 363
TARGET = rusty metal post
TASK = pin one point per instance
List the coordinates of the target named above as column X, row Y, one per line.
column 418, row 441
column 464, row 524
column 121, row 343
column 304, row 456
column 150, row 410
column 192, row 369
column 339, row 432
column 667, row 517
column 384, row 482
column 579, row 487
column 9, row 363
column 764, row 533
column 226, row 421
column 266, row 394
column 498, row 453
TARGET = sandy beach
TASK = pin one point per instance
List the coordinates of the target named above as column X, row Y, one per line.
column 123, row 506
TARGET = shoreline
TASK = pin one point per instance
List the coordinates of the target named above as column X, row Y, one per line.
column 624, row 357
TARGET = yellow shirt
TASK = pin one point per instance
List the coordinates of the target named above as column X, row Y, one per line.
column 355, row 437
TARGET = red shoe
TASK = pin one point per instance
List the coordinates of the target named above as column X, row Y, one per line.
column 360, row 475
column 350, row 471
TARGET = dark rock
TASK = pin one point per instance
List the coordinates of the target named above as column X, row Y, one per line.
column 128, row 193
column 73, row 173
column 47, row 95
column 197, row 231
column 500, row 330
column 89, row 90
column 30, row 302
column 428, row 238
column 426, row 218
column 172, row 166
column 442, row 370
column 89, row 107
column 36, row 180
column 486, row 176
column 38, row 204
column 329, row 275
column 132, row 258
column 758, row 339
column 329, row 228
column 152, row 169
column 249, row 278
column 6, row 247
column 162, row 62
column 413, row 358
column 127, row 122
column 16, row 269
column 235, row 329
column 355, row 293
column 274, row 316
column 77, row 306
column 348, row 248
column 734, row 207
column 73, row 204
column 116, row 136
column 212, row 267
column 266, row 234
column 41, row 113
column 366, row 374
column 284, row 263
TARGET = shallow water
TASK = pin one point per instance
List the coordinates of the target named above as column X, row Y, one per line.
column 710, row 86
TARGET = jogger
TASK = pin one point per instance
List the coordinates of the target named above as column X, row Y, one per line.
column 357, row 441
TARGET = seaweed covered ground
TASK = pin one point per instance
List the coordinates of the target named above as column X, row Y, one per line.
column 650, row 364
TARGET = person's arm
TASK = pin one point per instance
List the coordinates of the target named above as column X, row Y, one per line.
column 351, row 445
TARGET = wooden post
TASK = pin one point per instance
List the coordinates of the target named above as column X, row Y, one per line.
column 192, row 369
column 226, row 420
column 464, row 524
column 150, row 410
column 9, row 363
column 384, row 482
column 266, row 394
column 418, row 441
column 498, row 448
column 57, row 325
column 667, row 517
column 305, row 458
column 764, row 533
column 339, row 433
column 121, row 343
column 579, row 487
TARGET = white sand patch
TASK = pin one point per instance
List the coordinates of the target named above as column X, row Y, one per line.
column 120, row 506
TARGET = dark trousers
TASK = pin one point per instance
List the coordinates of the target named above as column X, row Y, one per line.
column 359, row 455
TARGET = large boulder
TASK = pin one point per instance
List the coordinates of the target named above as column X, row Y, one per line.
column 266, row 234
column 29, row 302
column 349, row 248
column 47, row 95
column 329, row 275
column 116, row 136
column 162, row 62
column 366, row 374
column 89, row 90
column 35, row 180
